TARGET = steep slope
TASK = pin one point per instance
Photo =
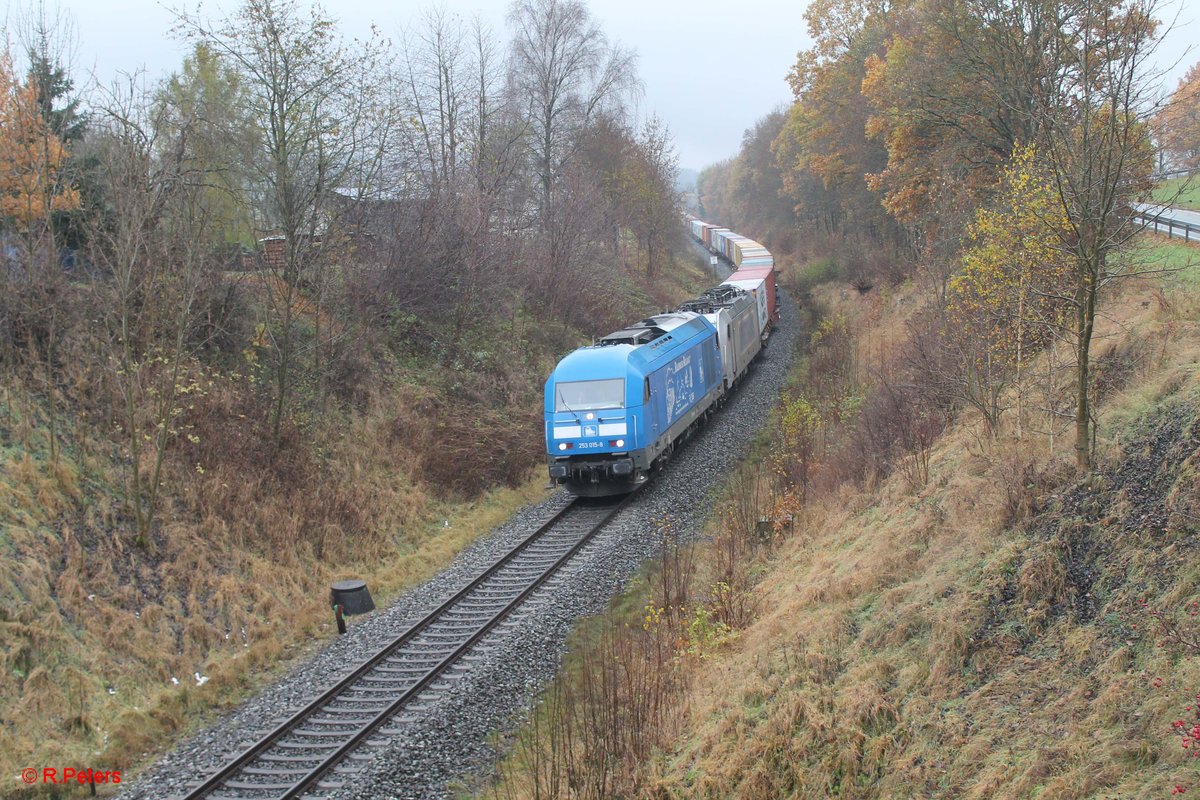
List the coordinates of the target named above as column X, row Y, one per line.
column 112, row 646
column 1005, row 630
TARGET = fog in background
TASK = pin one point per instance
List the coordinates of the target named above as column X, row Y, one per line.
column 710, row 69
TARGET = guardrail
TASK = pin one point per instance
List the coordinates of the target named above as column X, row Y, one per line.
column 1175, row 173
column 1172, row 228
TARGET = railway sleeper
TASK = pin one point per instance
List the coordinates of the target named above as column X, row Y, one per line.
column 517, row 582
column 466, row 616
column 274, row 757
column 532, row 563
column 395, row 679
column 423, row 706
column 411, row 663
column 317, row 734
column 307, row 747
column 330, row 723
column 432, row 646
column 491, row 594
column 273, row 773
column 362, row 701
column 399, row 725
column 393, row 689
column 442, row 636
column 458, row 624
column 479, row 652
column 261, row 787
column 481, row 606
column 559, row 542
column 332, row 784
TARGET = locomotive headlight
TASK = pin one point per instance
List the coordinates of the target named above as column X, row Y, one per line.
column 620, row 442
column 562, row 445
column 589, row 415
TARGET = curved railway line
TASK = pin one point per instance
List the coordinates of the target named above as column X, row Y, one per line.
column 301, row 756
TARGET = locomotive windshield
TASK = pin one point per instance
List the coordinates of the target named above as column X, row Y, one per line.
column 589, row 395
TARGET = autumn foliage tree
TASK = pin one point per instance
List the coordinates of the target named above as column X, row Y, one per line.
column 825, row 134
column 1007, row 302
column 954, row 91
column 31, row 162
column 32, row 189
column 960, row 85
column 1178, row 124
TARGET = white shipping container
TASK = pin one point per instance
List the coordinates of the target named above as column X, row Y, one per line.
column 757, row 288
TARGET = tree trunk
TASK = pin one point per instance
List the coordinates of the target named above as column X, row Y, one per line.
column 1085, row 320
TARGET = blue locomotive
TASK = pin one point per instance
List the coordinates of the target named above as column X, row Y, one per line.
column 615, row 410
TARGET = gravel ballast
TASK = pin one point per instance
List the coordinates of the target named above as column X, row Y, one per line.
column 451, row 738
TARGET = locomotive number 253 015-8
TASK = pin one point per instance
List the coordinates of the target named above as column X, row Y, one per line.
column 589, row 445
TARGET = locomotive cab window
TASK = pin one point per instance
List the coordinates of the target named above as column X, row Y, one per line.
column 590, row 395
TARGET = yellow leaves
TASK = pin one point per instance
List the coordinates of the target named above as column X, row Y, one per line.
column 904, row 202
column 800, row 76
column 800, row 420
column 830, row 325
column 877, row 126
column 1177, row 126
column 1013, row 270
column 653, row 616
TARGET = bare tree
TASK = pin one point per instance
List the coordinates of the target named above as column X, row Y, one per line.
column 151, row 242
column 1095, row 135
column 496, row 132
column 318, row 103
column 562, row 64
column 437, row 86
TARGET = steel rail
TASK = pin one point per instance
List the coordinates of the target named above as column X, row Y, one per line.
column 219, row 778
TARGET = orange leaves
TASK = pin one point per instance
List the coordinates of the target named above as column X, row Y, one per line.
column 822, row 151
column 31, row 156
column 1179, row 123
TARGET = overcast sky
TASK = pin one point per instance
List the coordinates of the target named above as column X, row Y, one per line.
column 710, row 68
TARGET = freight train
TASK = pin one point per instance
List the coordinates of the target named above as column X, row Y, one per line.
column 615, row 411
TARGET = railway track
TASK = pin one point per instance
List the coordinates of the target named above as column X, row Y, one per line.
column 301, row 757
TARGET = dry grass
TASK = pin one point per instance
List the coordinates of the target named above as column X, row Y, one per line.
column 95, row 628
column 980, row 636
column 232, row 582
column 932, row 644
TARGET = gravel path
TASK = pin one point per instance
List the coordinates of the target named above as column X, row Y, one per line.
column 449, row 739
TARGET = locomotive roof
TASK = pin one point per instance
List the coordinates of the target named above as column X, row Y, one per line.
column 615, row 360
column 647, row 330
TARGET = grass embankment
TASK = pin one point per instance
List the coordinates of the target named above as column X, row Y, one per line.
column 999, row 629
column 232, row 584
column 1179, row 192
